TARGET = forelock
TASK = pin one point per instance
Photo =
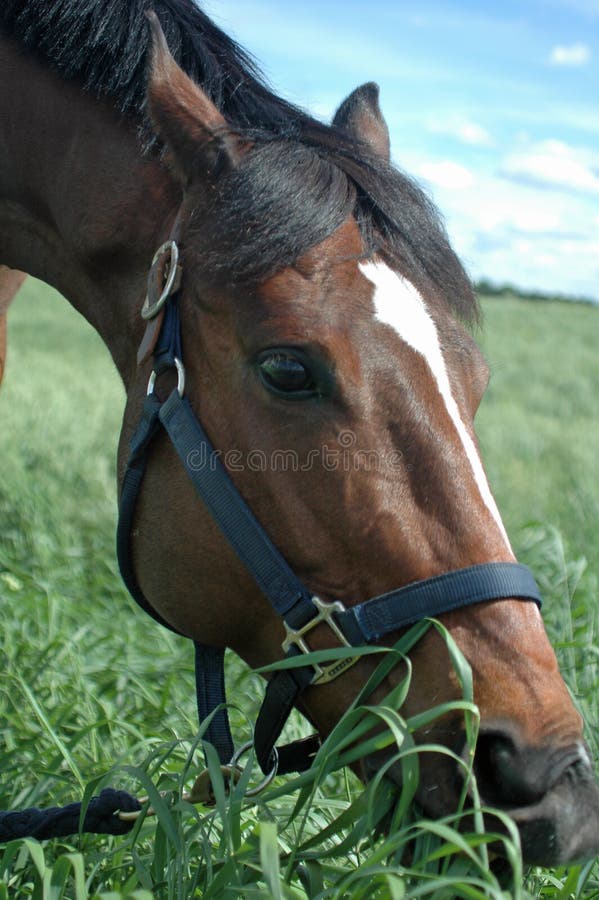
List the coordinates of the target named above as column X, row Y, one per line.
column 263, row 215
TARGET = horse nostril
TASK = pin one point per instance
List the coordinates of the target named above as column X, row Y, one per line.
column 505, row 778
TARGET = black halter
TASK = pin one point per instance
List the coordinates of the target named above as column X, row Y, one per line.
column 289, row 597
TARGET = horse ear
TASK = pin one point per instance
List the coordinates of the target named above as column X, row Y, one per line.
column 194, row 131
column 360, row 116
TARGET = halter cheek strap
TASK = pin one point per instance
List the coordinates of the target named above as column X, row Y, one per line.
column 300, row 610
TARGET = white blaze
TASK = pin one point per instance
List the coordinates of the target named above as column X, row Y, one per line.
column 399, row 304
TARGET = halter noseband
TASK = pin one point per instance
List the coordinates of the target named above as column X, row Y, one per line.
column 288, row 596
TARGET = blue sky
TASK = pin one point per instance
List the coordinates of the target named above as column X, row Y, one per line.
column 494, row 108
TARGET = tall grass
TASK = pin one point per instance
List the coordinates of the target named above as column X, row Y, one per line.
column 538, row 423
column 92, row 691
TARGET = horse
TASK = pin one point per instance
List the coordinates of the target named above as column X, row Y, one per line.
column 321, row 318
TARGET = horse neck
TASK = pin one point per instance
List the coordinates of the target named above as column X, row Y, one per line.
column 80, row 206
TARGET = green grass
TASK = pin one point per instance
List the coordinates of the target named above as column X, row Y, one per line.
column 91, row 688
column 538, row 423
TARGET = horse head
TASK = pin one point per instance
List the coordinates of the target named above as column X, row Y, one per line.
column 324, row 327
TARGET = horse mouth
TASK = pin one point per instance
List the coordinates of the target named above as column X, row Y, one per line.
column 558, row 827
column 563, row 827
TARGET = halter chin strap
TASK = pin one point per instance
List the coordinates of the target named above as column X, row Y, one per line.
column 288, row 596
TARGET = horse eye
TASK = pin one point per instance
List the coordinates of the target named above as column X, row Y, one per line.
column 285, row 373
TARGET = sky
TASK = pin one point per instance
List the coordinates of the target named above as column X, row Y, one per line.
column 492, row 107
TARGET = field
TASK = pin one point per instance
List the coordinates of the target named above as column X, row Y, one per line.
column 93, row 692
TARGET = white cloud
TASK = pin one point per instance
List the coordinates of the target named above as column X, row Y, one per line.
column 570, row 55
column 554, row 164
column 535, row 220
column 465, row 130
column 471, row 133
column 511, row 231
column 446, row 174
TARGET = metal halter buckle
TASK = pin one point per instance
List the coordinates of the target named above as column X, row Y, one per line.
column 296, row 636
column 180, row 378
column 165, row 276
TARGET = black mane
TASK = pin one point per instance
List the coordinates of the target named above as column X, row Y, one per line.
column 103, row 44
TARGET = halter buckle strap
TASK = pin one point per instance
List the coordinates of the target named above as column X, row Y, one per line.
column 374, row 619
column 295, row 640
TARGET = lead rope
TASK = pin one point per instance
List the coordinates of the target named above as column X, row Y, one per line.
column 108, row 813
column 111, row 812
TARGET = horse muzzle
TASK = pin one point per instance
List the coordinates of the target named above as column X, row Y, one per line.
column 550, row 794
column 549, row 791
column 563, row 827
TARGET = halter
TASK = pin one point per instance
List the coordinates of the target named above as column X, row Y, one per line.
column 300, row 610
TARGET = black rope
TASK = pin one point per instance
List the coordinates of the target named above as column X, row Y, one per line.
column 60, row 821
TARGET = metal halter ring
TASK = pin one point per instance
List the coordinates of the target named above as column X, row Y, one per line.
column 180, row 378
column 149, row 309
column 267, row 778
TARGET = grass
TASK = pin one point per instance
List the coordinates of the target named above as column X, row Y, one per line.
column 93, row 692
column 538, row 424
